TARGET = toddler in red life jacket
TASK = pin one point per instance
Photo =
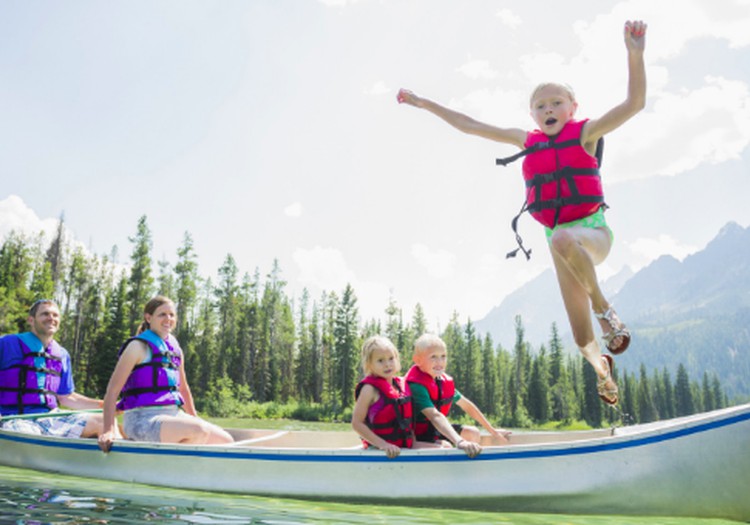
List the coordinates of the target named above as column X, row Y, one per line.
column 564, row 193
column 434, row 392
column 382, row 413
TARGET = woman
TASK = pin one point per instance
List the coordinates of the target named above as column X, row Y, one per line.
column 154, row 394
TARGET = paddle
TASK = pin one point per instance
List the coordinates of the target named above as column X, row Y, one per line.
column 50, row 414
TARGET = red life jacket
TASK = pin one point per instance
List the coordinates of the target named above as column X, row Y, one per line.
column 562, row 179
column 393, row 422
column 441, row 393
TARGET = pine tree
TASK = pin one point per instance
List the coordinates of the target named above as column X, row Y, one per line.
column 646, row 409
column 346, row 347
column 707, row 394
column 305, row 365
column 115, row 331
column 562, row 395
column 186, row 283
column 141, row 279
column 15, row 297
column 227, row 304
column 470, row 381
column 519, row 380
column 490, row 383
column 166, row 280
column 54, row 255
column 683, row 395
column 592, row 404
column 248, row 331
column 329, row 302
column 669, row 402
column 538, row 404
column 202, row 369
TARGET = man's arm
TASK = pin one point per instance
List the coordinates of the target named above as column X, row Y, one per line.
column 78, row 401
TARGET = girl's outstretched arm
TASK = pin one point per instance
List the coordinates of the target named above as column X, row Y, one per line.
column 463, row 122
column 635, row 42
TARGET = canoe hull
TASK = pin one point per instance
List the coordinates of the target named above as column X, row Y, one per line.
column 696, row 466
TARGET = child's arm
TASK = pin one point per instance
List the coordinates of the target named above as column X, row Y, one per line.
column 441, row 423
column 635, row 41
column 470, row 408
column 463, row 122
column 367, row 396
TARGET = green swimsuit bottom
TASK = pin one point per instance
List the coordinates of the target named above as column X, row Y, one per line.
column 595, row 220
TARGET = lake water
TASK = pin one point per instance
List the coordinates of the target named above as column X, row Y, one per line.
column 33, row 498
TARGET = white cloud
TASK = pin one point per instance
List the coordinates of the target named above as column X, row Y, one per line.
column 477, row 69
column 15, row 215
column 438, row 263
column 378, row 88
column 294, row 210
column 509, row 18
column 653, row 248
column 326, row 269
column 708, row 124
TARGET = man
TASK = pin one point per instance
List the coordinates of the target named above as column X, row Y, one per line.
column 36, row 377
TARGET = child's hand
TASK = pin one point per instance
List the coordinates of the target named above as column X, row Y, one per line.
column 635, row 35
column 472, row 449
column 391, row 450
column 500, row 436
column 407, row 97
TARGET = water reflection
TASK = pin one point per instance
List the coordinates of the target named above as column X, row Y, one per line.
column 34, row 498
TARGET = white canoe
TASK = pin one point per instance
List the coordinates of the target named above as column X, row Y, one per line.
column 692, row 466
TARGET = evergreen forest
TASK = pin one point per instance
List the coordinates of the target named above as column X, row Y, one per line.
column 251, row 350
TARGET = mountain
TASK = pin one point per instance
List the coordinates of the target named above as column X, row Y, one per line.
column 695, row 312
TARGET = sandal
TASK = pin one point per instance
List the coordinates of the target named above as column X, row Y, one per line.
column 608, row 395
column 618, row 329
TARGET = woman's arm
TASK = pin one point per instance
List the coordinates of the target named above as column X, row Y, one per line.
column 133, row 354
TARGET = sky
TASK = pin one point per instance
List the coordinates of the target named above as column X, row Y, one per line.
column 269, row 130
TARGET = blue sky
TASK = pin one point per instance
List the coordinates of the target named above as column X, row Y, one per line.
column 270, row 130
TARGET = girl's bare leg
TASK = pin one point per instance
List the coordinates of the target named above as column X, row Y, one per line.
column 579, row 249
column 580, row 289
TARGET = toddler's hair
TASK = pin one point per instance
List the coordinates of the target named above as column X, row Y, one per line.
column 427, row 341
column 377, row 342
column 564, row 87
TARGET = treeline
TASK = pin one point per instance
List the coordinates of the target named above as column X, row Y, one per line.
column 248, row 345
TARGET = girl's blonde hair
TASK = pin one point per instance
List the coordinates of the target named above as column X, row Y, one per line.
column 564, row 87
column 377, row 342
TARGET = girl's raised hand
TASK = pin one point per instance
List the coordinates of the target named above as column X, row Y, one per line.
column 635, row 35
column 405, row 96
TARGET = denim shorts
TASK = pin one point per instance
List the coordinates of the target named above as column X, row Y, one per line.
column 144, row 423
